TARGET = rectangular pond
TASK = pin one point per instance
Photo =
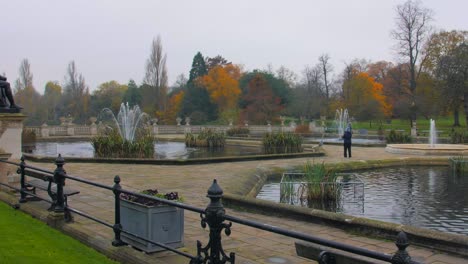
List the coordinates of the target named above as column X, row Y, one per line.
column 426, row 197
column 163, row 150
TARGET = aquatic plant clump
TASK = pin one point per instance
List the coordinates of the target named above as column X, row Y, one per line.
column 206, row 138
column 320, row 183
column 459, row 136
column 112, row 145
column 459, row 165
column 276, row 143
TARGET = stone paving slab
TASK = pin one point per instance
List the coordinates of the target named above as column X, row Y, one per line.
column 249, row 244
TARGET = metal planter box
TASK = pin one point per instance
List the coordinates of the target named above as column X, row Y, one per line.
column 163, row 224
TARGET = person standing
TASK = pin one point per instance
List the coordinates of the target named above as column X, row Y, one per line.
column 347, row 141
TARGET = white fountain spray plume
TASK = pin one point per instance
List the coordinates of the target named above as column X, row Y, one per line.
column 432, row 134
column 341, row 120
column 128, row 121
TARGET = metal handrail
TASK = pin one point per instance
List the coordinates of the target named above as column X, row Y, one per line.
column 213, row 216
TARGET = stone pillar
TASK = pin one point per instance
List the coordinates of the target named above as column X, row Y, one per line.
column 292, row 126
column 93, row 126
column 414, row 131
column 93, row 129
column 187, row 125
column 282, row 123
column 70, row 129
column 269, row 130
column 11, row 128
column 44, row 131
column 246, row 123
column 155, row 127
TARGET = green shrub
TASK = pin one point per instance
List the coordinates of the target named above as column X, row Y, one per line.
column 112, row 145
column 274, row 143
column 207, row 138
column 459, row 136
column 238, row 132
column 397, row 137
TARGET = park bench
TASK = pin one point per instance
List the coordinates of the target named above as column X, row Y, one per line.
column 46, row 183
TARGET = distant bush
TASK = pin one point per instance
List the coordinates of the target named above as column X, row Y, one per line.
column 398, row 137
column 302, row 129
column 459, row 136
column 238, row 132
column 274, row 143
column 28, row 137
column 207, row 138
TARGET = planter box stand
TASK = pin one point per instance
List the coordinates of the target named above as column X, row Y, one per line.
column 163, row 224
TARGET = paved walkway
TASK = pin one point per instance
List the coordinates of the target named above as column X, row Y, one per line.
column 250, row 245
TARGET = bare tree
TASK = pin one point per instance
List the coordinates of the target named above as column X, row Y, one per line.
column 156, row 74
column 25, row 78
column 75, row 93
column 412, row 28
column 26, row 95
column 287, row 76
column 327, row 68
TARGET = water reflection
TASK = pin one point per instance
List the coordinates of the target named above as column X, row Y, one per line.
column 429, row 197
column 163, row 150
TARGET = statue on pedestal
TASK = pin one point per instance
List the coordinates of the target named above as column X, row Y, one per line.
column 5, row 93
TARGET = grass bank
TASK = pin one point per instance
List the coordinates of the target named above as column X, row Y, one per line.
column 28, row 240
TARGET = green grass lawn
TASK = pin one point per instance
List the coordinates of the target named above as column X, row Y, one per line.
column 24, row 239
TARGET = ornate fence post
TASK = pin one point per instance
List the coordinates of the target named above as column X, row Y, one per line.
column 214, row 217
column 401, row 256
column 22, row 182
column 117, row 226
column 59, row 180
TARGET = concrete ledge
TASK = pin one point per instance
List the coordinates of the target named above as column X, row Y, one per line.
column 312, row 251
column 37, row 158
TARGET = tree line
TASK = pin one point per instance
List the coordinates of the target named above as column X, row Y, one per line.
column 429, row 80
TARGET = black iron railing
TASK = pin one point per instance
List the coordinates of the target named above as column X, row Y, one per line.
column 213, row 216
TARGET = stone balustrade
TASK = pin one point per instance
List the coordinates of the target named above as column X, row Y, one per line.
column 70, row 129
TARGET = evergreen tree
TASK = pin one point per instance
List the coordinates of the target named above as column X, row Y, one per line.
column 197, row 103
column 132, row 95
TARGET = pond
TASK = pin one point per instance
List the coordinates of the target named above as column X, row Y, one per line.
column 427, row 197
column 163, row 150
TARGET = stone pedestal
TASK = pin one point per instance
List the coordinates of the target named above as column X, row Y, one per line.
column 11, row 128
column 44, row 131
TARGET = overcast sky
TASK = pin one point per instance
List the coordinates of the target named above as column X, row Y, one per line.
column 111, row 39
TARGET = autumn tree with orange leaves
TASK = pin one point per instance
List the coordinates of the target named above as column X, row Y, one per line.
column 365, row 98
column 174, row 106
column 222, row 83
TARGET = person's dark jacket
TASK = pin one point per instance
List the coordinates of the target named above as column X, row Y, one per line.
column 347, row 137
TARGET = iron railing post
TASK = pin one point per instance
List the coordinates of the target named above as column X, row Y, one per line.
column 22, row 181
column 117, row 226
column 59, row 180
column 214, row 217
column 401, row 256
